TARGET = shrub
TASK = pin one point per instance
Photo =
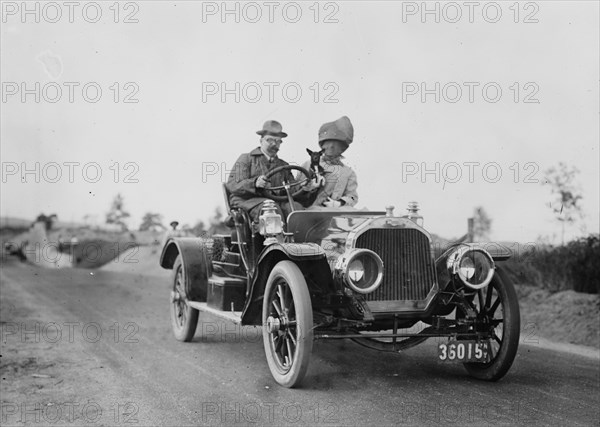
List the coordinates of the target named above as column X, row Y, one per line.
column 584, row 264
column 557, row 268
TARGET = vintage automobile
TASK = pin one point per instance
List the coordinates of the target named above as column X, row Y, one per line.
column 345, row 274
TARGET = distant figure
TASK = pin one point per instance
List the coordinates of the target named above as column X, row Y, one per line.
column 174, row 232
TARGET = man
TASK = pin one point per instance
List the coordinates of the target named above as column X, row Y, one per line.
column 340, row 180
column 174, row 232
column 247, row 181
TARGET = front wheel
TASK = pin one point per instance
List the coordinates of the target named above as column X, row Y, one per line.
column 287, row 324
column 498, row 315
column 184, row 318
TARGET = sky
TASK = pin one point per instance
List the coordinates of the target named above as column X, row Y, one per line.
column 452, row 107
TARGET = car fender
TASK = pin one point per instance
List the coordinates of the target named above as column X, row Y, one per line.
column 296, row 251
column 309, row 257
column 195, row 261
column 495, row 250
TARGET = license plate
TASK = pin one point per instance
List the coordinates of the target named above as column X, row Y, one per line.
column 464, row 351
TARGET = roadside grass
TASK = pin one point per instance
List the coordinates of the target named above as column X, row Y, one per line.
column 558, row 289
column 95, row 253
column 565, row 316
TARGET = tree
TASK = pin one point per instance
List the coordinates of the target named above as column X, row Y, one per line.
column 47, row 220
column 117, row 214
column 482, row 225
column 199, row 229
column 151, row 220
column 567, row 194
column 216, row 225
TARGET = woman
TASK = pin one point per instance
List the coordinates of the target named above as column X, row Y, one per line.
column 340, row 180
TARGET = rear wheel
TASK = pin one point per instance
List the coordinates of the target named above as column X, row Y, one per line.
column 498, row 314
column 287, row 324
column 184, row 318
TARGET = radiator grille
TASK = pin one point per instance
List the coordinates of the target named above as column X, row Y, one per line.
column 409, row 270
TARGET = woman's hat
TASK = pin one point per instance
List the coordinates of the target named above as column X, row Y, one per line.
column 340, row 130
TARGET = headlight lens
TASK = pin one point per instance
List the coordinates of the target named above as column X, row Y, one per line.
column 474, row 266
column 467, row 267
column 361, row 270
column 356, row 270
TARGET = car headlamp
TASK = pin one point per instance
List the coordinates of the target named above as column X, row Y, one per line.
column 270, row 223
column 466, row 268
column 356, row 270
column 361, row 270
column 474, row 266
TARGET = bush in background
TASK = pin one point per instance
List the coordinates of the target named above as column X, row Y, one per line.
column 573, row 266
column 584, row 264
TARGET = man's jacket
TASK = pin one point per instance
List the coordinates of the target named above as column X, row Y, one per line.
column 247, row 168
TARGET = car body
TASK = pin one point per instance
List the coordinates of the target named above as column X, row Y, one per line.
column 369, row 276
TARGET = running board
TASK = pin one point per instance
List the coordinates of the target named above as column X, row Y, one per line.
column 234, row 316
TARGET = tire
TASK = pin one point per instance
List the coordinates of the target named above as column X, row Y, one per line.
column 184, row 318
column 500, row 303
column 287, row 324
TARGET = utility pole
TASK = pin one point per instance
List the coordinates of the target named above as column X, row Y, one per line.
column 470, row 236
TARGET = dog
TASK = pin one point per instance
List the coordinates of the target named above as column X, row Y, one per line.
column 315, row 165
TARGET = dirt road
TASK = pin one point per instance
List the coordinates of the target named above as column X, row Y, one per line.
column 95, row 348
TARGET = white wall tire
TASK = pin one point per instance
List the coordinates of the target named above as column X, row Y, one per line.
column 287, row 324
column 184, row 318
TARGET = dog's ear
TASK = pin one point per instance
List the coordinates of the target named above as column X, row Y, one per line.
column 309, row 152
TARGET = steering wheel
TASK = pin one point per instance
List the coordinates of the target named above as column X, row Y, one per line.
column 286, row 186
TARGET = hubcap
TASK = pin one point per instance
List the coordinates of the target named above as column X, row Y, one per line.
column 273, row 325
column 490, row 318
column 178, row 301
column 281, row 325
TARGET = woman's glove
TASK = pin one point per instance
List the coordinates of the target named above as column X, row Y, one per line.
column 330, row 203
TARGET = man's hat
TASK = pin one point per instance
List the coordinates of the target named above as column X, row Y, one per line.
column 174, row 223
column 271, row 127
column 340, row 130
